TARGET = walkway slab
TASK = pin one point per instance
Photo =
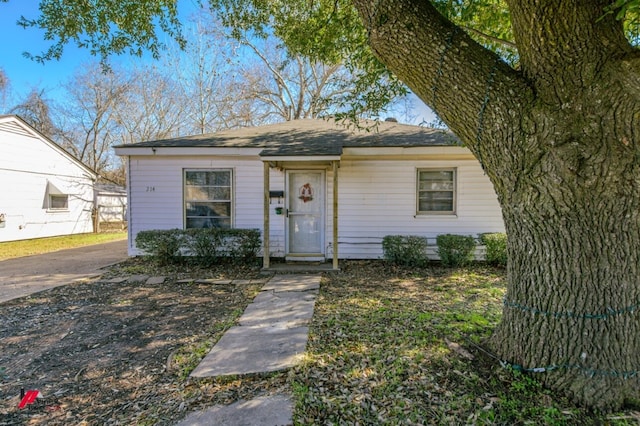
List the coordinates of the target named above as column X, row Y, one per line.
column 293, row 283
column 274, row 410
column 155, row 280
column 137, row 279
column 278, row 307
column 215, row 281
column 272, row 336
column 245, row 350
column 272, row 333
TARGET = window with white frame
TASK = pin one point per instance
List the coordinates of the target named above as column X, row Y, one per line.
column 208, row 198
column 436, row 192
column 58, row 202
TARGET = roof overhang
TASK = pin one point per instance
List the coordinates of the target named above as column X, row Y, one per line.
column 186, row 151
column 433, row 152
column 406, row 153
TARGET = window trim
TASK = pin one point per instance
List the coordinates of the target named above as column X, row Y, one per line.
column 454, row 210
column 231, row 201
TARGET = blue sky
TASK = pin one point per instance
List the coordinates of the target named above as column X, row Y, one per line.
column 25, row 74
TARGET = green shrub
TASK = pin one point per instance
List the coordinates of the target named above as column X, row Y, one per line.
column 204, row 246
column 240, row 245
column 455, row 250
column 162, row 245
column 409, row 250
column 496, row 244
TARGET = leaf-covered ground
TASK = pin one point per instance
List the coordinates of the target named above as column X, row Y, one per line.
column 388, row 346
column 397, row 346
column 106, row 353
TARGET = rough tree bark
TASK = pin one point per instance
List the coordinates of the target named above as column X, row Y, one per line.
column 560, row 140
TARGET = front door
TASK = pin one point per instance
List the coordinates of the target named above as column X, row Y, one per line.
column 305, row 217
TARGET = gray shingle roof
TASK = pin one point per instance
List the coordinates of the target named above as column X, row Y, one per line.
column 312, row 138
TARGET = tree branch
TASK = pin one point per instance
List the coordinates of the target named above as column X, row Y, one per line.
column 466, row 84
column 560, row 55
column 488, row 37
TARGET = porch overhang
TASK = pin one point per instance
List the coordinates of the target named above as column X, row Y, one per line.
column 283, row 161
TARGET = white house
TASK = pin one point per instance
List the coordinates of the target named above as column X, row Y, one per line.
column 317, row 190
column 44, row 191
column 110, row 206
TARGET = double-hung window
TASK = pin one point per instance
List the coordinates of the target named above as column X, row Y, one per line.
column 436, row 192
column 208, row 198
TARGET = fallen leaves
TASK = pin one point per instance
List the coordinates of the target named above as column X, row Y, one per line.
column 459, row 349
column 386, row 346
column 98, row 350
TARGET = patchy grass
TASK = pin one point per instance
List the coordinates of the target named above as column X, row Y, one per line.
column 107, row 353
column 392, row 346
column 187, row 358
column 21, row 248
column 388, row 346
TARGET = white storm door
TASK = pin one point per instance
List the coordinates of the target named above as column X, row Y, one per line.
column 305, row 217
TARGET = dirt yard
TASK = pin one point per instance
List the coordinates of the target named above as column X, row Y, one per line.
column 103, row 352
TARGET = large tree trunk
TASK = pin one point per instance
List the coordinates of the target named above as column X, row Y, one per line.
column 572, row 307
column 560, row 140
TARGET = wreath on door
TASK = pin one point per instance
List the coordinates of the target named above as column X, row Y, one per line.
column 306, row 193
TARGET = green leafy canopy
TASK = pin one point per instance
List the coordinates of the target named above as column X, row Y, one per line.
column 329, row 30
column 325, row 30
column 629, row 11
column 105, row 27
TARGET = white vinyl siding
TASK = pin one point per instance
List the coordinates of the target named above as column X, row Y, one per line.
column 375, row 198
column 157, row 201
column 28, row 166
column 378, row 198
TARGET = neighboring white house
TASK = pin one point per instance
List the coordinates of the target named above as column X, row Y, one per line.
column 44, row 191
column 110, row 206
column 328, row 191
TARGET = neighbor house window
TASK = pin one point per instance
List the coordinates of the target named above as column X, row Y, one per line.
column 58, row 202
column 207, row 198
column 436, row 191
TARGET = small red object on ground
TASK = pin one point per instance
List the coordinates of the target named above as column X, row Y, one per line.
column 29, row 398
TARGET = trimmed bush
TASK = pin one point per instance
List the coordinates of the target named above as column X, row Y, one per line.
column 496, row 244
column 409, row 250
column 204, row 246
column 162, row 245
column 240, row 245
column 455, row 250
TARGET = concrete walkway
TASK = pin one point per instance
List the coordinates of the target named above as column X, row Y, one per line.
column 271, row 336
column 23, row 276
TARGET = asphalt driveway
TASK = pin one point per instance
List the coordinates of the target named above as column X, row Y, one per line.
column 25, row 275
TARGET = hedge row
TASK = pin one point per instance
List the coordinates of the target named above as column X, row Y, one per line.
column 453, row 250
column 203, row 246
column 214, row 245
